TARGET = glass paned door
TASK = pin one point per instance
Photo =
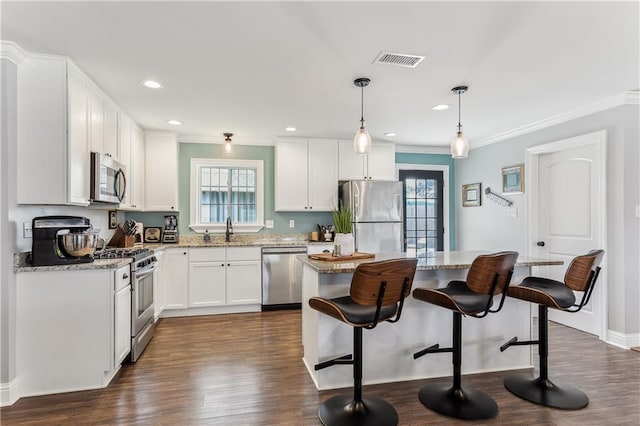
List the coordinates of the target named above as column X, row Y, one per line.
column 423, row 210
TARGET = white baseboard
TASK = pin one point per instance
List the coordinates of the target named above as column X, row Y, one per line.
column 622, row 340
column 9, row 393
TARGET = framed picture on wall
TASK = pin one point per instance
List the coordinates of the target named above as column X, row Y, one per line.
column 512, row 179
column 472, row 195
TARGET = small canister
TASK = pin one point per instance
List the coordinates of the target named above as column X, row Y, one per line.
column 337, row 250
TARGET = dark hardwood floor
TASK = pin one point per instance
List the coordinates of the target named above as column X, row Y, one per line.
column 246, row 369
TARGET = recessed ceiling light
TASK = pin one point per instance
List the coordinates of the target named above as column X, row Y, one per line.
column 290, row 129
column 390, row 134
column 440, row 107
column 152, row 84
column 175, row 122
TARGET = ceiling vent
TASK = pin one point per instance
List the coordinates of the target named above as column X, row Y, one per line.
column 398, row 59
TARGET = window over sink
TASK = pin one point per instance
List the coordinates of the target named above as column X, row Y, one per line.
column 222, row 188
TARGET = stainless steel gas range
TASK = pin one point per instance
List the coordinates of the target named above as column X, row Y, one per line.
column 143, row 264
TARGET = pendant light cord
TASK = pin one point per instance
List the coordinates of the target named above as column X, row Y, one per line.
column 459, row 124
column 362, row 107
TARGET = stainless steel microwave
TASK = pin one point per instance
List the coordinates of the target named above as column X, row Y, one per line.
column 108, row 179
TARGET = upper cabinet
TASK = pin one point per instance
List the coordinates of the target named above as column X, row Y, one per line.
column 161, row 171
column 306, row 175
column 131, row 153
column 379, row 164
column 53, row 125
column 111, row 130
column 103, row 124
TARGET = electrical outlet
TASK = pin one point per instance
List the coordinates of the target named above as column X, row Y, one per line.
column 268, row 223
column 26, row 230
column 292, row 223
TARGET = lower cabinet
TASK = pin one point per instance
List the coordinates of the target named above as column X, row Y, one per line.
column 222, row 279
column 122, row 315
column 74, row 328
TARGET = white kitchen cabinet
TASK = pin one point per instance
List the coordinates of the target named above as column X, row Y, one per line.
column 224, row 276
column 306, row 176
column 135, row 175
column 111, row 129
column 122, row 315
column 161, row 171
column 175, row 273
column 52, row 130
column 96, row 119
column 158, row 284
column 379, row 164
column 74, row 328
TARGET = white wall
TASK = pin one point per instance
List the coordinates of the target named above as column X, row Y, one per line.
column 488, row 227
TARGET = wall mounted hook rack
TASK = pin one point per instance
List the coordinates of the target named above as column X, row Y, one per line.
column 497, row 198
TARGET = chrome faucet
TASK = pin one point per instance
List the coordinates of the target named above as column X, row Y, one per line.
column 229, row 231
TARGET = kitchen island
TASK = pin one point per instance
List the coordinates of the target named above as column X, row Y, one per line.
column 388, row 348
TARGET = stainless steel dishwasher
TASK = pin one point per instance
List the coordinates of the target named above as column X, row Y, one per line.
column 281, row 277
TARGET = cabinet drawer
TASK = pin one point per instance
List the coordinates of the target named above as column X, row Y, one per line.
column 243, row 253
column 206, row 254
column 123, row 277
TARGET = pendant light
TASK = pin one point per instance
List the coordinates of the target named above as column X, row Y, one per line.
column 362, row 140
column 460, row 144
column 227, row 141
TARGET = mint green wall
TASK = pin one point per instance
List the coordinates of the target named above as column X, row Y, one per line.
column 304, row 222
column 440, row 160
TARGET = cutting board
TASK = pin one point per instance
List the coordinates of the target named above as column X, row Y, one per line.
column 327, row 257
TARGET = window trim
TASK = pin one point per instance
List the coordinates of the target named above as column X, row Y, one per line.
column 196, row 165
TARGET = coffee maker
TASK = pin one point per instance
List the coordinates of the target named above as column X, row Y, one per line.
column 170, row 231
column 47, row 249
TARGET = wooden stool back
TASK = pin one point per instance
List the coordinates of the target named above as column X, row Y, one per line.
column 398, row 275
column 486, row 267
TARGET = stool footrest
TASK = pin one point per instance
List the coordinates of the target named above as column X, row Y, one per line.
column 343, row 360
column 514, row 342
column 431, row 350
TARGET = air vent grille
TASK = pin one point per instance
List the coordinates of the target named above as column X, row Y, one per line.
column 398, row 59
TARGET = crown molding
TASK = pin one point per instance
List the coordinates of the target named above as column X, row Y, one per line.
column 422, row 149
column 12, row 52
column 220, row 140
column 625, row 98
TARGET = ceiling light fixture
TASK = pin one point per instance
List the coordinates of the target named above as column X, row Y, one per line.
column 227, row 141
column 290, row 129
column 152, row 84
column 362, row 140
column 440, row 107
column 175, row 122
column 460, row 144
column 390, row 134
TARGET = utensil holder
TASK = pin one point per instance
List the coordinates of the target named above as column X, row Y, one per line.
column 119, row 239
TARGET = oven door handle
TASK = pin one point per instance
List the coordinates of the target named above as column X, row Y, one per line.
column 146, row 271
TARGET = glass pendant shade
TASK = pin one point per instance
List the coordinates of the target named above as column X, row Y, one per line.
column 227, row 146
column 362, row 142
column 459, row 146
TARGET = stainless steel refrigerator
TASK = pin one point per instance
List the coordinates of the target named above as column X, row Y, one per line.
column 377, row 214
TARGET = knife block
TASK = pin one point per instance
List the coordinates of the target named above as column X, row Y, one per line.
column 119, row 239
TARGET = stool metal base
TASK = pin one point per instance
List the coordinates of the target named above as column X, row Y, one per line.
column 464, row 403
column 545, row 392
column 342, row 410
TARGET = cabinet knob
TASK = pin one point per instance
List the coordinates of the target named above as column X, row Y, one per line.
column 228, row 264
column 184, row 252
column 310, row 207
column 540, row 243
column 305, row 207
column 125, row 276
column 222, row 265
column 172, row 207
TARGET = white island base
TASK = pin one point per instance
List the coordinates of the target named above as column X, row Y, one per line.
column 388, row 348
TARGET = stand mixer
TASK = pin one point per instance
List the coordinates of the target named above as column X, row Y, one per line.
column 170, row 232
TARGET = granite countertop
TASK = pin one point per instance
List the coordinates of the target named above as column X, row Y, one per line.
column 20, row 264
column 241, row 240
column 441, row 260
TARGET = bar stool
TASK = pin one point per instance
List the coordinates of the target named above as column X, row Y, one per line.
column 488, row 276
column 581, row 276
column 377, row 294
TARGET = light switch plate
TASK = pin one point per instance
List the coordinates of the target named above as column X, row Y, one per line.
column 292, row 223
column 512, row 212
column 26, row 230
column 268, row 223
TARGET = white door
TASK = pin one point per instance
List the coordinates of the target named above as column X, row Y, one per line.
column 571, row 217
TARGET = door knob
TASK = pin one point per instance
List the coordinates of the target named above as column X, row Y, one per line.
column 540, row 243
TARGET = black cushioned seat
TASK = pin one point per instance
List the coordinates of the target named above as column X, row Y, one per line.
column 377, row 293
column 581, row 276
column 488, row 276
